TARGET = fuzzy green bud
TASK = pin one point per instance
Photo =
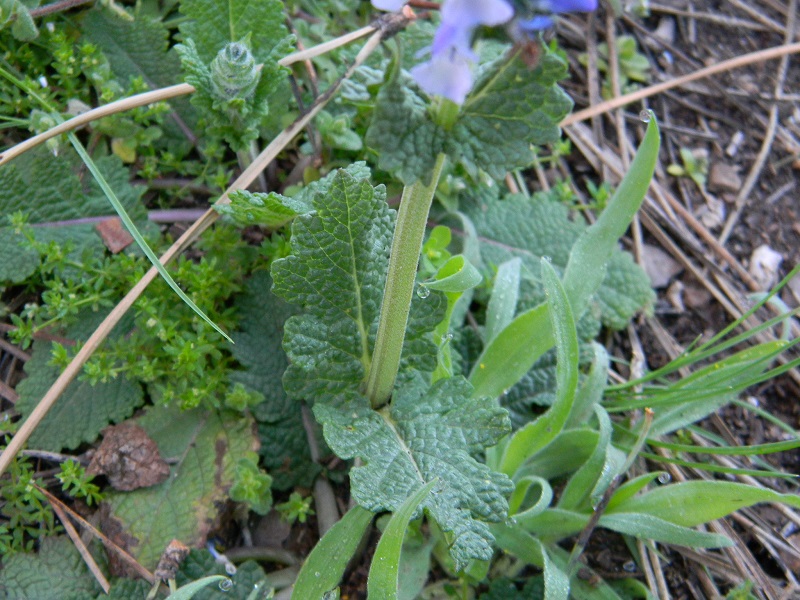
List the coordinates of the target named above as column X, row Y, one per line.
column 234, row 73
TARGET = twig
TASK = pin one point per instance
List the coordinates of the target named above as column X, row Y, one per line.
column 81, row 547
column 129, row 560
column 769, row 136
column 190, row 235
column 63, row 5
column 734, row 63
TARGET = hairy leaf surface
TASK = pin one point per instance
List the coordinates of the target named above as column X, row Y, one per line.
column 60, row 198
column 510, row 108
column 530, row 228
column 425, row 434
column 204, row 447
column 82, row 411
column 56, row 572
column 284, row 448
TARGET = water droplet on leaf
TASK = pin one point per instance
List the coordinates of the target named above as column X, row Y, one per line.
column 664, row 478
column 230, row 568
column 225, row 585
column 423, row 291
column 629, row 566
column 645, row 116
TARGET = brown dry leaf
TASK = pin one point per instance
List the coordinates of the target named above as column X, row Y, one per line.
column 129, row 458
column 175, row 553
column 115, row 236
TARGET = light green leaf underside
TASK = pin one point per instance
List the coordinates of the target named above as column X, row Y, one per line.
column 205, row 446
column 425, row 434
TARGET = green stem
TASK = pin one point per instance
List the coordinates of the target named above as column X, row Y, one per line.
column 406, row 246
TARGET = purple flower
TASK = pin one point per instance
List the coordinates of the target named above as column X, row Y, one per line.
column 448, row 72
column 390, row 5
column 542, row 9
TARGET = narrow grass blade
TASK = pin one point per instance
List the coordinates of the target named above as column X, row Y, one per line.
column 384, row 573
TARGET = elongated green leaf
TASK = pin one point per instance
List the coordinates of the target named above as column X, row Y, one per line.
column 650, row 527
column 503, row 302
column 384, row 572
column 325, row 566
column 512, row 352
column 533, row 437
column 589, row 257
column 678, row 503
column 522, row 490
column 591, row 392
column 566, row 453
column 553, row 523
column 190, row 590
column 631, row 488
column 581, row 486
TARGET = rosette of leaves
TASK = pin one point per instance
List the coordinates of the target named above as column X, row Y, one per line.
column 230, row 54
column 336, row 275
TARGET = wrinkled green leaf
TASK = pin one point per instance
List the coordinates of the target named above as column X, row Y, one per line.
column 284, row 447
column 82, row 411
column 426, row 434
column 510, row 108
column 60, row 196
column 335, row 273
column 255, row 208
column 56, row 572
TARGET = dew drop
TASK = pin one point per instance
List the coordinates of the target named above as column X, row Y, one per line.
column 317, row 574
column 423, row 291
column 629, row 566
column 664, row 478
column 645, row 116
column 230, row 568
column 548, row 259
column 225, row 585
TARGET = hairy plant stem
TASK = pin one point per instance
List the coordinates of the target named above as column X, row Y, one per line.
column 406, row 246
